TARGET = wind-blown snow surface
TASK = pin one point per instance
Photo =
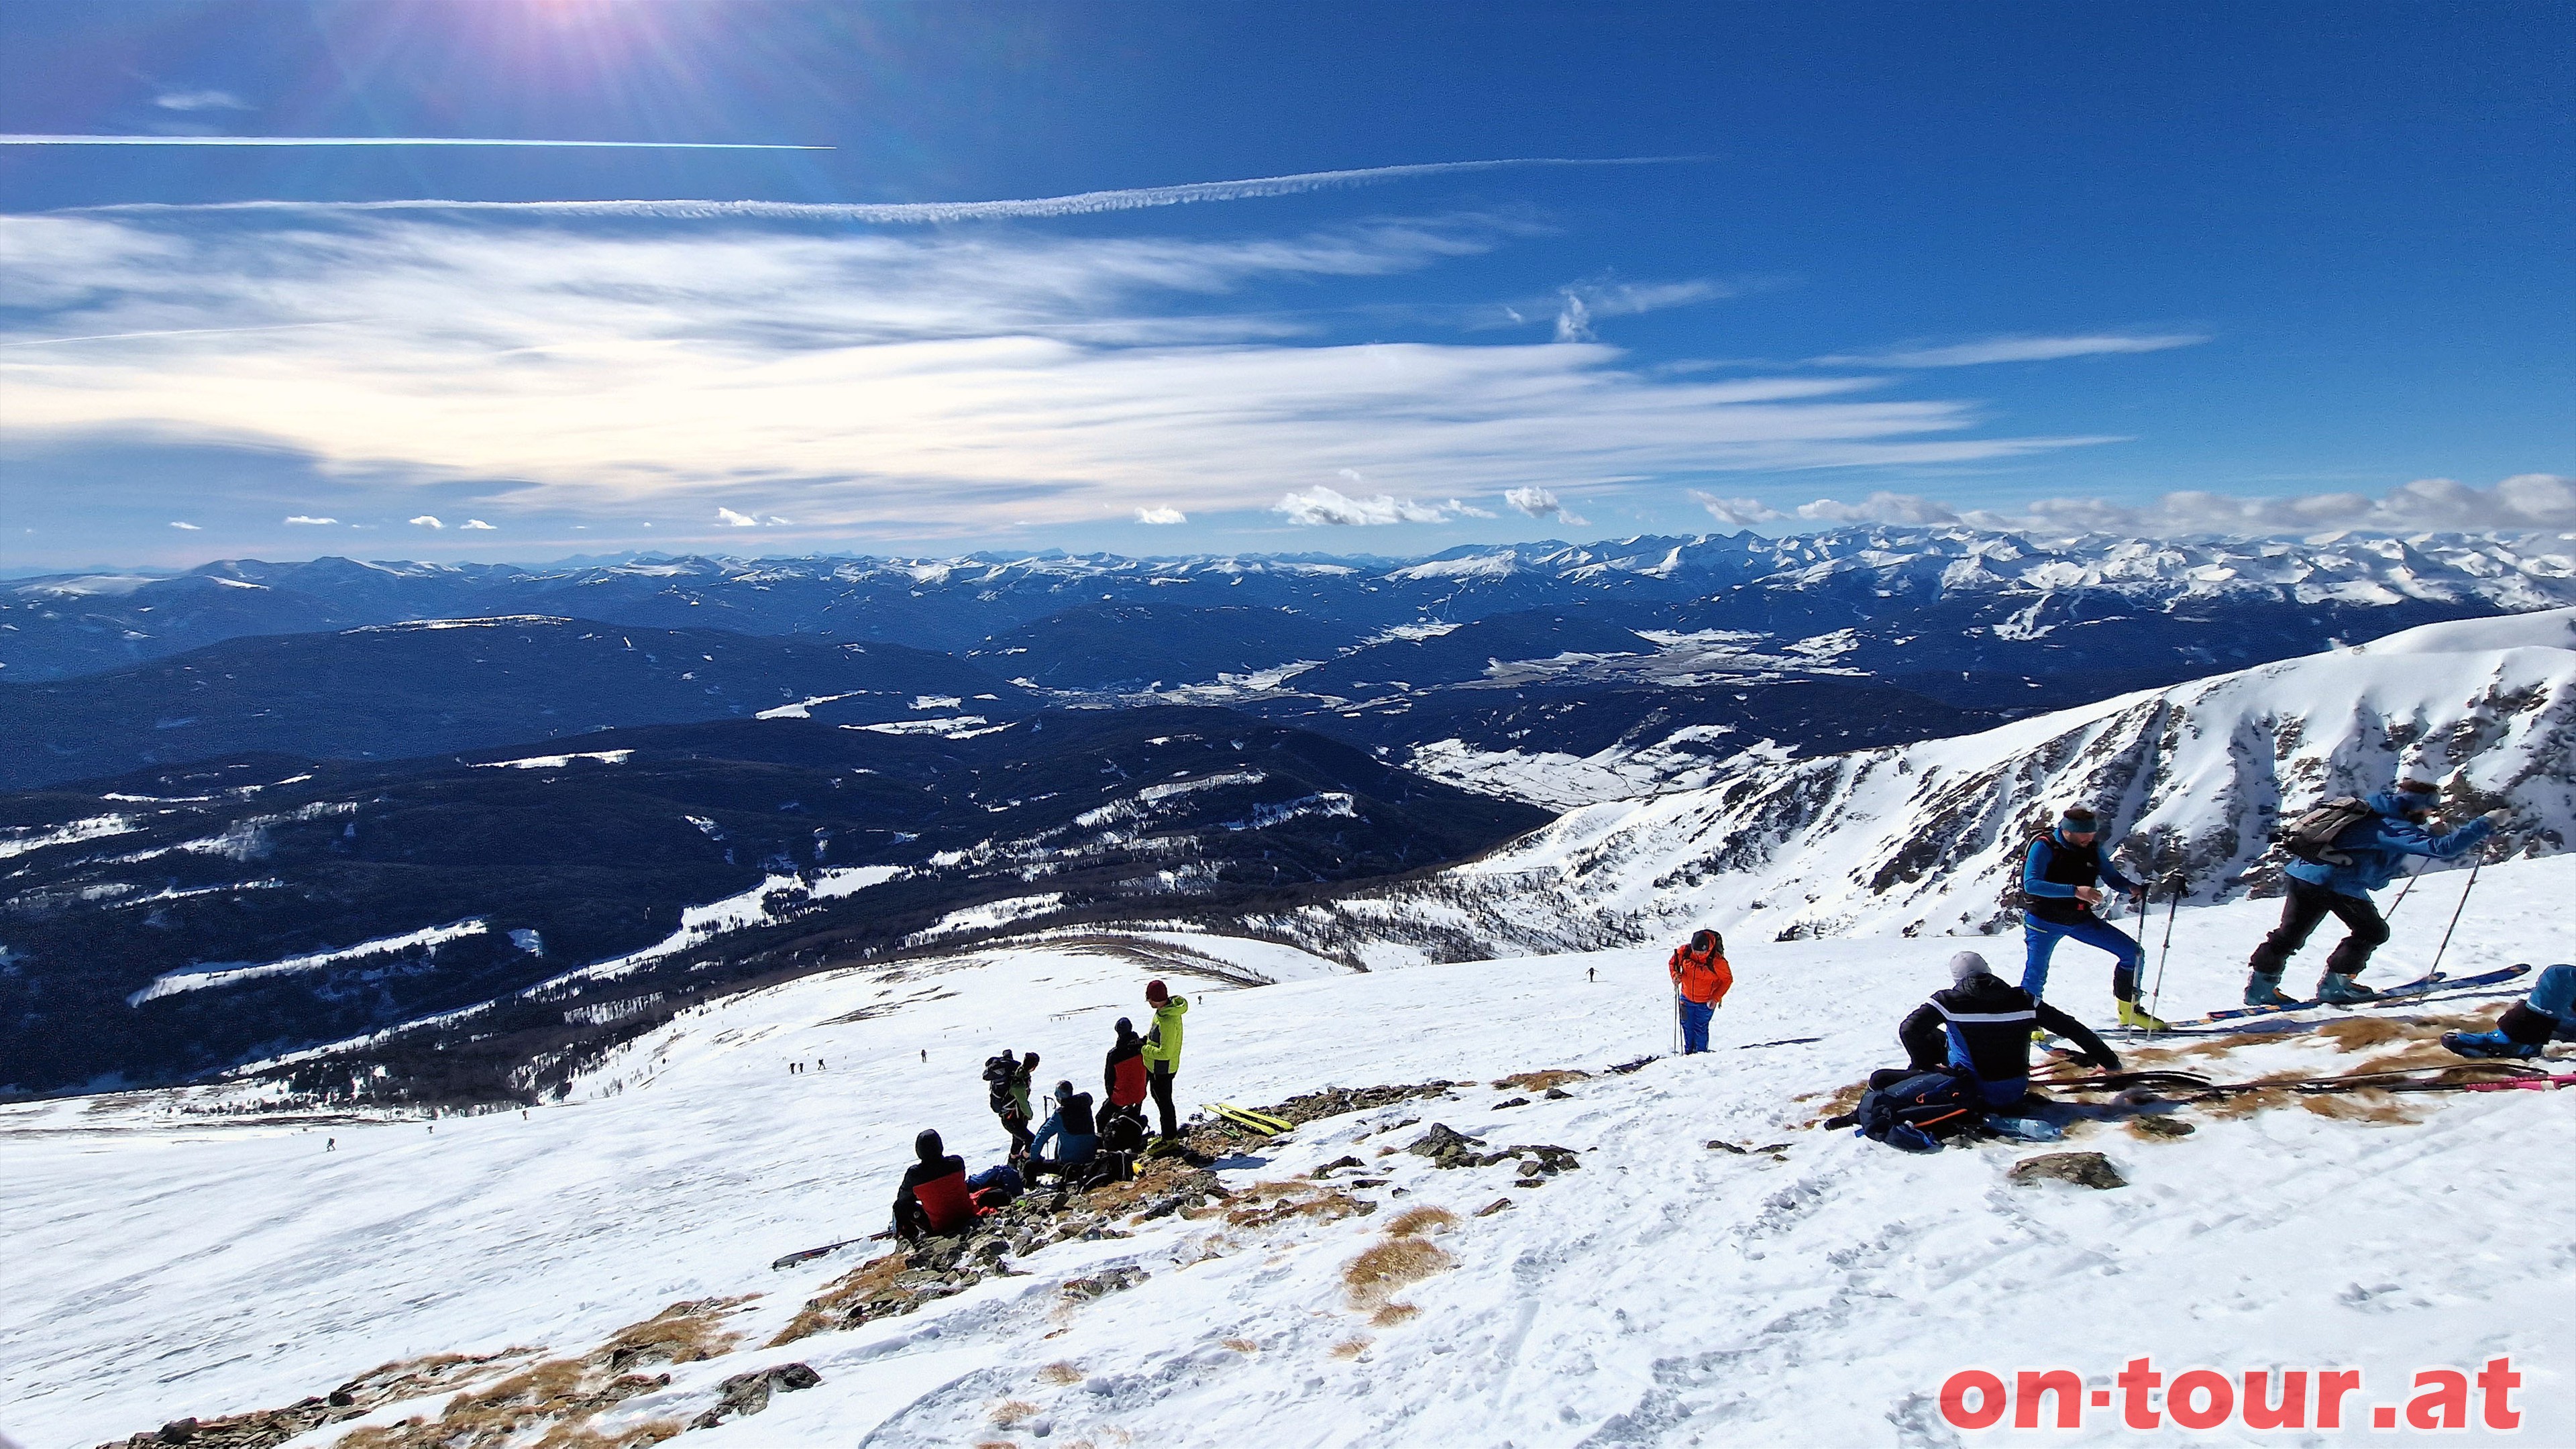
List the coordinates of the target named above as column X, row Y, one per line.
column 1664, row 1293
column 1928, row 838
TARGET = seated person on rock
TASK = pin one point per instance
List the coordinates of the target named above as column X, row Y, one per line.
column 1070, row 1128
column 2526, row 1026
column 1983, row 1024
column 932, row 1199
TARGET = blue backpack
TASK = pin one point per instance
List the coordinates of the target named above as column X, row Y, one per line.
column 1915, row 1111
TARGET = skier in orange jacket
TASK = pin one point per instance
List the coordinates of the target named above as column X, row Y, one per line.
column 1701, row 979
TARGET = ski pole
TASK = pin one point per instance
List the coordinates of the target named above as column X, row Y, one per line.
column 2411, row 877
column 2474, row 867
column 2173, row 903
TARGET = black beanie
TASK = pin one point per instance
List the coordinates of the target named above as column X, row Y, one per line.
column 928, row 1147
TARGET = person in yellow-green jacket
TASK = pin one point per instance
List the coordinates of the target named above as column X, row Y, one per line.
column 1163, row 1054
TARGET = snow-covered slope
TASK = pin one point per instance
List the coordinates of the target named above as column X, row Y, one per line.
column 1928, row 838
column 166, row 1263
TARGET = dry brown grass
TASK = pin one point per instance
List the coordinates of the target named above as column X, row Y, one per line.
column 1392, row 1314
column 1376, row 1274
column 1843, row 1099
column 1540, row 1081
column 1060, row 1373
column 1299, row 1200
column 1240, row 1345
column 682, row 1333
column 870, row 1280
column 1414, row 1222
column 1012, row 1413
column 2369, row 1105
column 1350, row 1348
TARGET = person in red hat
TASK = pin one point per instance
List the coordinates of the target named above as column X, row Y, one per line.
column 1162, row 1054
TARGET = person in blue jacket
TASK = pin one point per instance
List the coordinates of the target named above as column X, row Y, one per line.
column 2373, row 851
column 2527, row 1025
column 1071, row 1129
column 2061, row 882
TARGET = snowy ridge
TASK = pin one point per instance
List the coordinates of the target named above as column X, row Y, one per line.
column 1797, row 1286
column 232, row 973
column 1928, row 838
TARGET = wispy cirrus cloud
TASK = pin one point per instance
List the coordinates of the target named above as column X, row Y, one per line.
column 919, row 213
column 200, row 100
column 2014, row 349
column 45, row 139
column 2427, row 505
column 927, row 384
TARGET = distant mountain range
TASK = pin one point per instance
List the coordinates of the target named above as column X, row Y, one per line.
column 179, row 921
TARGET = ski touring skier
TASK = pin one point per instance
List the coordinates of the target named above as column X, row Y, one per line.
column 932, row 1198
column 1162, row 1056
column 1006, row 1091
column 1982, row 1025
column 2367, row 847
column 1701, row 979
column 1069, row 1127
column 2061, row 882
column 2525, row 1029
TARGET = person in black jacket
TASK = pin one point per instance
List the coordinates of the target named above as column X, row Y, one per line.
column 932, row 1196
column 1122, row 1075
column 1983, row 1024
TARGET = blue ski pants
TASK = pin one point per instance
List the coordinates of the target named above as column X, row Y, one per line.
column 2040, row 938
column 1694, row 1024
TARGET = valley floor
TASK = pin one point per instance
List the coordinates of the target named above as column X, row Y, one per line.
column 163, row 1263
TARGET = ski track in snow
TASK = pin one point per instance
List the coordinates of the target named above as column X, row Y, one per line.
column 1663, row 1294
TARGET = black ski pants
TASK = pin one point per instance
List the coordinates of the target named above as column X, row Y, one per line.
column 2306, row 905
column 1159, row 1082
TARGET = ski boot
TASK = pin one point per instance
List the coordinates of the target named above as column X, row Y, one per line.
column 2263, row 988
column 2335, row 990
column 2489, row 1044
column 2134, row 1015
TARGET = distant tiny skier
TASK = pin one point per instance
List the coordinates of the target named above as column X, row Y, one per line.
column 1071, row 1129
column 1122, row 1075
column 1162, row 1054
column 1701, row 979
column 1983, row 1025
column 932, row 1198
column 2061, row 882
column 1591, row 973
column 330, row 1144
column 2525, row 1029
column 2360, row 857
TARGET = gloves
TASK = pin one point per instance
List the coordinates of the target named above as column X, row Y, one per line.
column 2497, row 818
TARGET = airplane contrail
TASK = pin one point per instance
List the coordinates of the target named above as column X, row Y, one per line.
column 920, row 212
column 45, row 140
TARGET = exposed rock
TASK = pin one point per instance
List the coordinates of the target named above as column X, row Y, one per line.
column 1513, row 1102
column 1336, row 1165
column 2084, row 1169
column 1499, row 1204
column 2160, row 1127
column 749, row 1393
column 1100, row 1285
column 1446, row 1146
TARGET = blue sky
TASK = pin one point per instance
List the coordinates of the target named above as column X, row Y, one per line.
column 2156, row 269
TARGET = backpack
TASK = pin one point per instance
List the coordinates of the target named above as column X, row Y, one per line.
column 2312, row 835
column 1915, row 1111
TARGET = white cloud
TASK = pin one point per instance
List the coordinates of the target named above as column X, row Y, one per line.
column 1573, row 318
column 425, row 521
column 1541, row 503
column 1735, row 512
column 309, row 520
column 731, row 519
column 2014, row 349
column 1583, row 303
column 475, row 523
column 1005, row 376
column 1879, row 508
column 190, row 527
column 1161, row 513
column 207, row 100
column 1322, row 505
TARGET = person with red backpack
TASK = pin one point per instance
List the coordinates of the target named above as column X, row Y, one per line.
column 1122, row 1076
column 933, row 1198
column 1701, row 979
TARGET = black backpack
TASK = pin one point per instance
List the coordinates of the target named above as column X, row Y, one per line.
column 1917, row 1111
column 2312, row 835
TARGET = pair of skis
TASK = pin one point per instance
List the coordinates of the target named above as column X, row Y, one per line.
column 1244, row 1117
column 2219, row 1023
column 808, row 1255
